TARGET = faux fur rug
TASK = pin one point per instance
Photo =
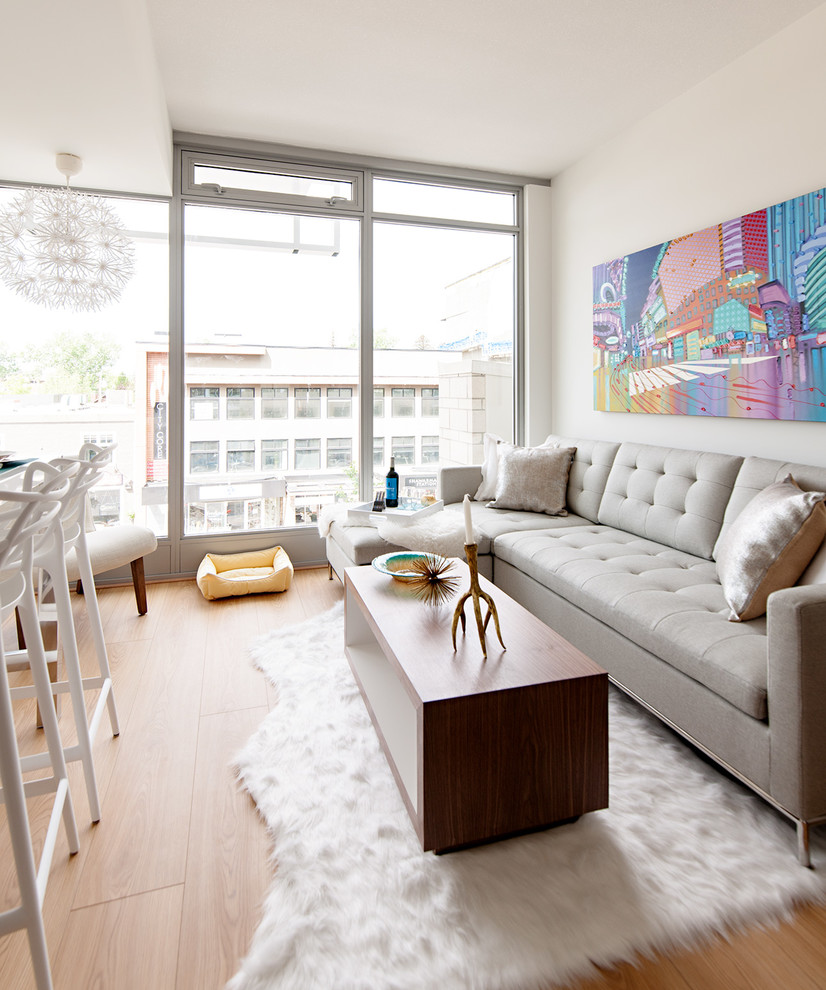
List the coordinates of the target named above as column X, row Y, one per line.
column 681, row 853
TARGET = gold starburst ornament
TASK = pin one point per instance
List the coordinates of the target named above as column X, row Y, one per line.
column 435, row 582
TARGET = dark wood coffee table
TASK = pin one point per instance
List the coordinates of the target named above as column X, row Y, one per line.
column 480, row 749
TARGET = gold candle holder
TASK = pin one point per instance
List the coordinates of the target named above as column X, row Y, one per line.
column 475, row 592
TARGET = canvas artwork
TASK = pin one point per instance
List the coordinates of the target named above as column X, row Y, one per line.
column 727, row 321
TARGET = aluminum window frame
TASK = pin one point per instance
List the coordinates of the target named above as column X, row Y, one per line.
column 192, row 190
column 187, row 550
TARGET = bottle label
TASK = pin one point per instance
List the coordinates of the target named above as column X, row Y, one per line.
column 392, row 489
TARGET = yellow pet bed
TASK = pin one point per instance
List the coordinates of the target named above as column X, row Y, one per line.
column 223, row 575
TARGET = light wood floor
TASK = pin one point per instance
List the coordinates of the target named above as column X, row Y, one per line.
column 166, row 890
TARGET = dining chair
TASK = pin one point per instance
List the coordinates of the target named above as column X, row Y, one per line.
column 26, row 519
column 113, row 546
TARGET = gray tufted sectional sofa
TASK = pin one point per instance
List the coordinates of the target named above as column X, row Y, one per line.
column 629, row 577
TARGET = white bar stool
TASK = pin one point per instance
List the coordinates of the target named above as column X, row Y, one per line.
column 49, row 560
column 21, row 523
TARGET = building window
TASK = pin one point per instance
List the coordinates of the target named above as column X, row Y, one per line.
column 235, row 515
column 99, row 439
column 274, row 403
column 430, row 402
column 339, row 403
column 430, row 450
column 378, row 402
column 308, row 452
column 378, row 452
column 240, row 455
column 403, row 401
column 339, row 452
column 240, row 403
column 273, row 455
column 203, row 403
column 203, row 456
column 105, row 505
column 308, row 403
column 404, row 450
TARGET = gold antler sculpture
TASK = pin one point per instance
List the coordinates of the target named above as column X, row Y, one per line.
column 475, row 592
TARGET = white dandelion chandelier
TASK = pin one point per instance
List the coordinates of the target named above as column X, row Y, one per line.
column 62, row 248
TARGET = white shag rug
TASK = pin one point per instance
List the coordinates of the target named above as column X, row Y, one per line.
column 681, row 853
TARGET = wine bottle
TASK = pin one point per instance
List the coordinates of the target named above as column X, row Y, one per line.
column 391, row 486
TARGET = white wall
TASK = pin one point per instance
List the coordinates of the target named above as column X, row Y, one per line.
column 748, row 137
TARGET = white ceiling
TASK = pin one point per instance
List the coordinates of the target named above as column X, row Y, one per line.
column 518, row 86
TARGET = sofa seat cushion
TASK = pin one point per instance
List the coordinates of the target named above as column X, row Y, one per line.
column 665, row 600
column 361, row 543
column 489, row 523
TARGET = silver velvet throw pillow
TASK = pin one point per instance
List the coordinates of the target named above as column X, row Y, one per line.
column 769, row 546
column 534, row 479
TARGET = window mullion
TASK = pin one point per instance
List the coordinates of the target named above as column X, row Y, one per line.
column 365, row 453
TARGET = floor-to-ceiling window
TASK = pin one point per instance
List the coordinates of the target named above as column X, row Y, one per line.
column 444, row 320
column 67, row 377
column 271, row 330
column 324, row 319
column 276, row 259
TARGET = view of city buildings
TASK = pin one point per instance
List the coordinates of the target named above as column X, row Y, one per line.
column 272, row 391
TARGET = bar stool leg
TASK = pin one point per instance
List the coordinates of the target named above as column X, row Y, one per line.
column 66, row 633
column 15, row 800
column 96, row 625
column 27, row 611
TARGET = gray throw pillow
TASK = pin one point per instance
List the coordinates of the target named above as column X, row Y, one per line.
column 769, row 546
column 534, row 479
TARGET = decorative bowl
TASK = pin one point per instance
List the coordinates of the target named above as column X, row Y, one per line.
column 398, row 564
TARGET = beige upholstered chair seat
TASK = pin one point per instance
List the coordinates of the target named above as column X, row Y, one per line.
column 113, row 546
column 116, row 546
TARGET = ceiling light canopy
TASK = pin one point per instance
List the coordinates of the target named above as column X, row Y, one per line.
column 64, row 249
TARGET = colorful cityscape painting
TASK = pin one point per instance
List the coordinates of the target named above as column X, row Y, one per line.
column 727, row 321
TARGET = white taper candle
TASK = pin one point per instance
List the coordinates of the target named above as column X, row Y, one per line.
column 468, row 522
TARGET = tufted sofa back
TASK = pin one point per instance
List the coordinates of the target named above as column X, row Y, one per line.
column 758, row 473
column 676, row 497
column 589, row 472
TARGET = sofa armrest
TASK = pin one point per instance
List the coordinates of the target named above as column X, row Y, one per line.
column 797, row 698
column 456, row 482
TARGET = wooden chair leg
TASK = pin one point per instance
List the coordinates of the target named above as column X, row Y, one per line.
column 21, row 638
column 139, row 582
column 49, row 632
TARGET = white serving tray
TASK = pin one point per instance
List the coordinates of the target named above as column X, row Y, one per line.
column 364, row 515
